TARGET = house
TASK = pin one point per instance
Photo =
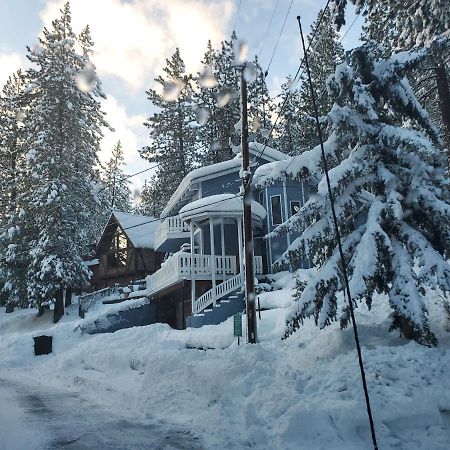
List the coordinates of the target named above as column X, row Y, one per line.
column 201, row 280
column 125, row 251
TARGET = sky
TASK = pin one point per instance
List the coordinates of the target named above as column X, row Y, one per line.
column 134, row 37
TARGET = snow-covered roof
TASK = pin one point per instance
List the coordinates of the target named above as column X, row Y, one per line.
column 255, row 149
column 139, row 229
column 224, row 205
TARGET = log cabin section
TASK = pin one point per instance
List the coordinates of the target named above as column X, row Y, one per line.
column 125, row 251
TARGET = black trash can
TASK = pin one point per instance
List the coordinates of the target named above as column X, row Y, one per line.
column 43, row 345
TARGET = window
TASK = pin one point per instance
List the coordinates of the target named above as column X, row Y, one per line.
column 295, row 207
column 118, row 250
column 275, row 204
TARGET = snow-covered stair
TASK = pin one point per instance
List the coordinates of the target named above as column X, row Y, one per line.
column 226, row 307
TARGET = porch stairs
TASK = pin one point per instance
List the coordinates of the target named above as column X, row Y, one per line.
column 225, row 307
column 229, row 301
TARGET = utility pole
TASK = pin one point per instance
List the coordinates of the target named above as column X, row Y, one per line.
column 247, row 219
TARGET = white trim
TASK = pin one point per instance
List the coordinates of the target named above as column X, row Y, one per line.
column 213, row 258
column 286, row 212
column 240, row 245
column 192, row 267
column 290, row 206
column 269, row 239
column 255, row 149
column 271, row 210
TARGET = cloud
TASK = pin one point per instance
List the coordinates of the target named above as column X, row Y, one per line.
column 132, row 134
column 128, row 129
column 9, row 63
column 133, row 38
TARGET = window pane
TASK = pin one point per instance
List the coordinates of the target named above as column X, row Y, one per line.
column 276, row 210
column 295, row 207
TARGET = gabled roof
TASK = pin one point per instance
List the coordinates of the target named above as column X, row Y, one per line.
column 258, row 151
column 139, row 229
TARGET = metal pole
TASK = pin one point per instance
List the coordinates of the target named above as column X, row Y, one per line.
column 339, row 242
column 247, row 217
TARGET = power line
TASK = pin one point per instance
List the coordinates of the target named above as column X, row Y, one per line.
column 278, row 39
column 258, row 158
column 324, row 89
column 268, row 27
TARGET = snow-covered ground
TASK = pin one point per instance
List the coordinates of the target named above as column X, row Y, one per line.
column 300, row 393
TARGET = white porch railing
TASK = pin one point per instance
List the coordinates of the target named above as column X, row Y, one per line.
column 221, row 289
column 170, row 225
column 181, row 265
column 258, row 265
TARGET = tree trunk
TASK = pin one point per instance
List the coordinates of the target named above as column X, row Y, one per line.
column 444, row 105
column 9, row 308
column 68, row 301
column 58, row 311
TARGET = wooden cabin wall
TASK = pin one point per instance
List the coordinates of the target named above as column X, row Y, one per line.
column 140, row 263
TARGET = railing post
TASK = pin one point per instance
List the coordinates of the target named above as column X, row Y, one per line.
column 222, row 241
column 194, row 309
column 213, row 259
column 241, row 258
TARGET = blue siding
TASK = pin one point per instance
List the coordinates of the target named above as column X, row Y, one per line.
column 225, row 184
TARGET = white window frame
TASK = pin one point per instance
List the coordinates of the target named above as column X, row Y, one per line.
column 290, row 206
column 271, row 210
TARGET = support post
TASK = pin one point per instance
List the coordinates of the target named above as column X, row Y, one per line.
column 247, row 217
column 222, row 241
column 191, row 228
column 202, row 248
column 213, row 259
column 240, row 245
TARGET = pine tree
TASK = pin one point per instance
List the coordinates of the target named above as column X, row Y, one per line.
column 64, row 130
column 216, row 98
column 172, row 133
column 401, row 25
column 261, row 106
column 116, row 190
column 391, row 198
column 13, row 238
column 151, row 204
column 289, row 131
column 324, row 55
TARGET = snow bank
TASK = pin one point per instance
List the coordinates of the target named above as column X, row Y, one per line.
column 300, row 393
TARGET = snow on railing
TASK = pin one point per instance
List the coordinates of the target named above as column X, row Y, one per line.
column 169, row 225
column 224, row 288
column 86, row 300
column 182, row 265
column 258, row 265
column 221, row 290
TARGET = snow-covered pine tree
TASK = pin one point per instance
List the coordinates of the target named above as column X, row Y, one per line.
column 13, row 237
column 217, row 102
column 401, row 25
column 12, row 113
column 172, row 130
column 391, row 198
column 205, row 99
column 260, row 104
column 64, row 130
column 151, row 194
column 289, row 126
column 116, row 190
column 325, row 53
